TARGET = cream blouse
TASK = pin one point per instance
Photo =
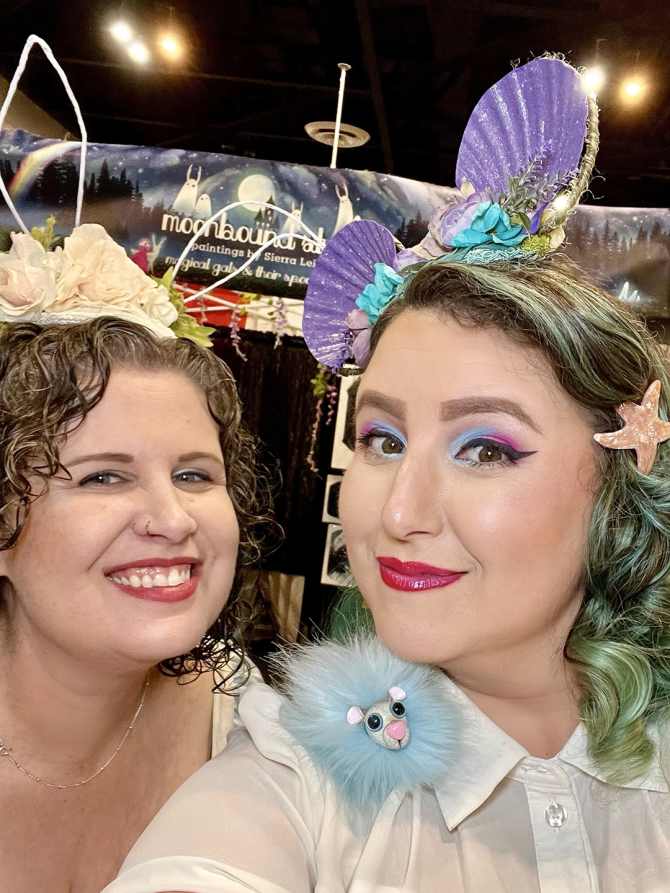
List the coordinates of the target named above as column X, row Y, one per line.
column 260, row 818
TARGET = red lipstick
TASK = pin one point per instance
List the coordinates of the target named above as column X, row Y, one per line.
column 414, row 576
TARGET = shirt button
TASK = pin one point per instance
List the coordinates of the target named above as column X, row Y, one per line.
column 555, row 814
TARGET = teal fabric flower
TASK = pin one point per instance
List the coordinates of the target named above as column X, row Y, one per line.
column 490, row 223
column 379, row 293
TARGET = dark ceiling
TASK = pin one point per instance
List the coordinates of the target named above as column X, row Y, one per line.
column 258, row 71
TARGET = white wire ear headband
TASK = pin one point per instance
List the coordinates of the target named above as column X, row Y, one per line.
column 20, row 68
column 193, row 298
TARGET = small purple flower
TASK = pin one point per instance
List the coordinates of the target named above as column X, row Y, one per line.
column 457, row 216
column 361, row 329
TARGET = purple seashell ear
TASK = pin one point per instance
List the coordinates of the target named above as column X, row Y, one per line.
column 522, row 145
column 533, row 123
column 340, row 274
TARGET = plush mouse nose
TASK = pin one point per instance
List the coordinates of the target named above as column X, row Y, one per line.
column 396, row 730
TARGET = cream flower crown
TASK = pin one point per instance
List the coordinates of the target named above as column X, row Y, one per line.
column 90, row 275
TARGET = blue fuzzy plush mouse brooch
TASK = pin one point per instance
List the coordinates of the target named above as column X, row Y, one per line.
column 371, row 722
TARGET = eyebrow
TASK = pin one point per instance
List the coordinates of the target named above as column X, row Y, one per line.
column 125, row 459
column 454, row 409
column 377, row 400
column 450, row 409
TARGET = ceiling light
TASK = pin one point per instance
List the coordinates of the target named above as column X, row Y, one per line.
column 593, row 79
column 138, row 52
column 121, row 31
column 633, row 89
column 171, row 46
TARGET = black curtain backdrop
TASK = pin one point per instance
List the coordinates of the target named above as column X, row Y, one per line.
column 279, row 406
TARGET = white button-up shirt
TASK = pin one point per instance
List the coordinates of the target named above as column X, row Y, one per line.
column 261, row 818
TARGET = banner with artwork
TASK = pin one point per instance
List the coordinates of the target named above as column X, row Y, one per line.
column 153, row 200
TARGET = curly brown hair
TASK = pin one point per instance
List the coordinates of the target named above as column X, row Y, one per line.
column 52, row 377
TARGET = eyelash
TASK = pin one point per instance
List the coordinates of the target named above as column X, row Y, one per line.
column 511, row 456
column 94, row 479
column 365, row 441
column 201, row 476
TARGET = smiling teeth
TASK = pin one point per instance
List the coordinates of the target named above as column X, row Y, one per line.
column 153, row 578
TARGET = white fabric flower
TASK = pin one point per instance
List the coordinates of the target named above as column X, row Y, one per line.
column 90, row 276
column 28, row 278
column 156, row 303
column 95, row 270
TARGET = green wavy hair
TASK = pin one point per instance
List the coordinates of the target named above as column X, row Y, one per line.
column 602, row 355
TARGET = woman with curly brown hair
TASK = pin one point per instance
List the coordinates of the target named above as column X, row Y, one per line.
column 129, row 502
column 127, row 487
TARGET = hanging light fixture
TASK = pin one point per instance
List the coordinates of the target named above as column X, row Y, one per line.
column 121, row 31
column 593, row 79
column 171, row 46
column 139, row 52
column 633, row 90
column 594, row 75
column 171, row 43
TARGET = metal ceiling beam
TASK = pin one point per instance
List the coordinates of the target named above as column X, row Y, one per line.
column 303, row 86
column 372, row 67
column 552, row 12
column 10, row 7
column 236, row 125
column 123, row 118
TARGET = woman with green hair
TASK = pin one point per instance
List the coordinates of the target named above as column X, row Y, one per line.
column 507, row 520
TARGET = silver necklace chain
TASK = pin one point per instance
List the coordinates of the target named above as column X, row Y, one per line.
column 6, row 751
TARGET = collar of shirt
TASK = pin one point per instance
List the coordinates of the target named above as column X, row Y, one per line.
column 478, row 770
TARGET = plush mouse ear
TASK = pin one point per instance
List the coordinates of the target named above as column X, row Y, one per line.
column 397, row 694
column 354, row 716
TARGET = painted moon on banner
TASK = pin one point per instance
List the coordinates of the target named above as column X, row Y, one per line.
column 256, row 188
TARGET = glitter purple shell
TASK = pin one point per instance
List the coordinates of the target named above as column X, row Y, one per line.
column 341, row 273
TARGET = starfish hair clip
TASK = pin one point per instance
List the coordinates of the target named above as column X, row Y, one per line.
column 643, row 429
